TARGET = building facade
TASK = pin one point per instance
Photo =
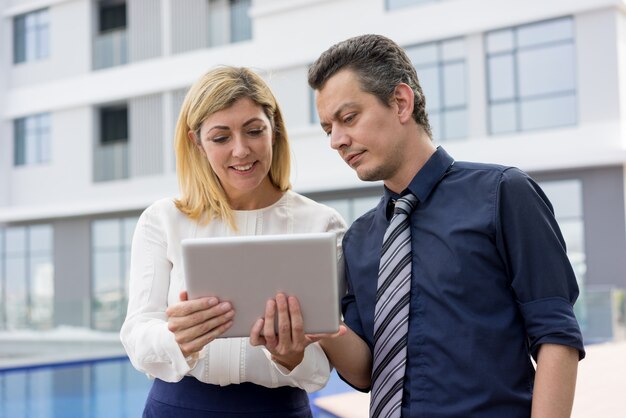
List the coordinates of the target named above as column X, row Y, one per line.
column 90, row 92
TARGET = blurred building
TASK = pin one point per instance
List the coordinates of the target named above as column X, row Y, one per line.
column 90, row 92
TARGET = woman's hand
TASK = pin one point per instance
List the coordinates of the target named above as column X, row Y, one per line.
column 195, row 323
column 287, row 343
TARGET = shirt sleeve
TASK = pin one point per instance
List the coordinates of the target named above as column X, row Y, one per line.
column 150, row 346
column 533, row 249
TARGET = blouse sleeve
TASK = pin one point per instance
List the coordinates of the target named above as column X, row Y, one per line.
column 150, row 346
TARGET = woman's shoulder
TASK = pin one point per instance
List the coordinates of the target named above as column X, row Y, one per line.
column 308, row 207
column 163, row 208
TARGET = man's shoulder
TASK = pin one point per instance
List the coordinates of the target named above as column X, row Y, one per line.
column 477, row 166
column 473, row 170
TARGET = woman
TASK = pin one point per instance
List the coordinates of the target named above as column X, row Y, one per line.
column 233, row 162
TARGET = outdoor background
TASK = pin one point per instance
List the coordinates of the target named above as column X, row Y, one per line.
column 89, row 96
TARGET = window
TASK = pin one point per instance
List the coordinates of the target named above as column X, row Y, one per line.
column 352, row 208
column 441, row 71
column 229, row 21
column 112, row 15
column 397, row 4
column 111, row 148
column 31, row 35
column 531, row 76
column 110, row 46
column 31, row 140
column 27, row 274
column 113, row 125
column 566, row 197
column 111, row 240
column 314, row 118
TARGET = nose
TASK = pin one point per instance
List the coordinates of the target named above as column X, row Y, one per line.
column 339, row 138
column 241, row 149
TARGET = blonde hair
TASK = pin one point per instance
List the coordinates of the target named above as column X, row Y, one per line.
column 202, row 195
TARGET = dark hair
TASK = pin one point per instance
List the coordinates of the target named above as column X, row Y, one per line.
column 380, row 65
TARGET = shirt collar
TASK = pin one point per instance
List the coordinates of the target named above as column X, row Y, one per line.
column 425, row 180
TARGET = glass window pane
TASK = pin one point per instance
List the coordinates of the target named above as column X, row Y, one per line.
column 573, row 234
column 106, row 273
column 453, row 49
column 455, row 124
column 549, row 112
column 429, row 80
column 453, row 85
column 19, row 135
column 129, row 229
column 15, row 242
column 434, row 118
column 40, row 239
column 106, row 233
column 363, row 204
column 340, row 205
column 425, row 54
column 545, row 32
column 218, row 21
column 16, row 293
column 31, row 148
column 501, row 77
column 240, row 23
column 500, row 41
column 314, row 117
column 546, row 70
column 41, row 291
column 42, row 34
column 565, row 196
column 502, row 118
column 19, row 39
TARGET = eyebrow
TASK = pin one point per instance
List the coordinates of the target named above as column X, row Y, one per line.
column 246, row 123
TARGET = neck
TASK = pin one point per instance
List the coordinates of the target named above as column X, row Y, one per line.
column 419, row 150
column 263, row 196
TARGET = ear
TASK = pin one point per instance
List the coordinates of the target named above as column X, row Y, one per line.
column 403, row 98
column 192, row 137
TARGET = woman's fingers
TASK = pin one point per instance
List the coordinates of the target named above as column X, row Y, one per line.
column 284, row 321
column 196, row 323
column 188, row 307
column 295, row 315
column 269, row 332
column 255, row 333
column 197, row 344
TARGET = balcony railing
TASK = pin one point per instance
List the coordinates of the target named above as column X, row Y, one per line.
column 110, row 49
column 110, row 162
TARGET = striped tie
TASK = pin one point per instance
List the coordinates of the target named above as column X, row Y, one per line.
column 391, row 317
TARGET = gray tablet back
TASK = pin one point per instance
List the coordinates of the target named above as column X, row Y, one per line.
column 249, row 270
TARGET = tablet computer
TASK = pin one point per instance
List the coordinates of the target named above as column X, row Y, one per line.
column 249, row 270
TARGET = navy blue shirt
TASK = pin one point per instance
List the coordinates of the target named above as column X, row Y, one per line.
column 490, row 283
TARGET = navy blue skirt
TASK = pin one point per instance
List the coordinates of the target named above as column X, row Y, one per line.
column 191, row 398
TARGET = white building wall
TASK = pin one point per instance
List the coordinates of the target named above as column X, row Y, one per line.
column 69, row 49
column 287, row 36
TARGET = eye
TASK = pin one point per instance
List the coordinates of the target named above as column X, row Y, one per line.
column 219, row 139
column 349, row 118
column 254, row 132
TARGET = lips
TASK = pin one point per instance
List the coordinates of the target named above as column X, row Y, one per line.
column 353, row 158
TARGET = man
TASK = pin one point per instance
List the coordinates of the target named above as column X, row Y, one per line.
column 489, row 281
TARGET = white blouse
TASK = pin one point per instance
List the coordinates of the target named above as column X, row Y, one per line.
column 156, row 279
